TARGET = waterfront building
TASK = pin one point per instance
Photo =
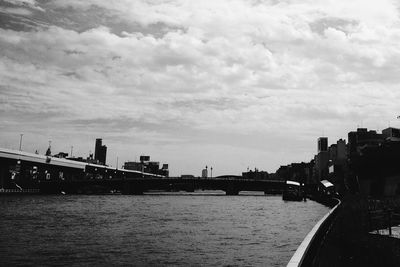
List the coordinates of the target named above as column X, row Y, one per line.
column 363, row 138
column 374, row 161
column 299, row 172
column 100, row 152
column 392, row 134
column 322, row 159
column 337, row 165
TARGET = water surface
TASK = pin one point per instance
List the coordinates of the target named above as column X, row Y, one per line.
column 153, row 230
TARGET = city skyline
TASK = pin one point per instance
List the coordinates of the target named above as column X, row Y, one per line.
column 226, row 84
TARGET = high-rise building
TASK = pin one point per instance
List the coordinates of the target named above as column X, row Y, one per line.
column 341, row 150
column 322, row 159
column 100, row 152
column 338, row 152
column 323, row 144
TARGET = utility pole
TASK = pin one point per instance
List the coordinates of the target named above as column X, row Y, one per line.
column 20, row 142
column 72, row 147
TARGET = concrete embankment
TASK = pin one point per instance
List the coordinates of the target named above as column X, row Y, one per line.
column 344, row 238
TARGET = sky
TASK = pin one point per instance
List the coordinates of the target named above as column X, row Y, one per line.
column 230, row 84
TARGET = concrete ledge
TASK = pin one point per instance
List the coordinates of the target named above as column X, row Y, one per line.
column 302, row 250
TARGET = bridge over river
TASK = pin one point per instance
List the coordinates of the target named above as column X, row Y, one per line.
column 24, row 171
column 137, row 186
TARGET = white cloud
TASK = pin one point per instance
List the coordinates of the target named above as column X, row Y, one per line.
column 195, row 71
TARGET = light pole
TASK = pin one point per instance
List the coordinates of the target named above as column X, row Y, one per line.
column 72, row 147
column 20, row 142
column 211, row 172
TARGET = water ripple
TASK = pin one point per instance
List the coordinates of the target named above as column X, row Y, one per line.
column 153, row 230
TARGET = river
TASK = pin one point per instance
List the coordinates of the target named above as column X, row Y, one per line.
column 197, row 229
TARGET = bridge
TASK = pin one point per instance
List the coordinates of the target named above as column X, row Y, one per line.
column 22, row 171
column 138, row 186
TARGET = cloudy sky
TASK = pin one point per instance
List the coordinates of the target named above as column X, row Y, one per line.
column 229, row 84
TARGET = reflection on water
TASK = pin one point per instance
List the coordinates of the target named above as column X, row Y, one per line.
column 195, row 229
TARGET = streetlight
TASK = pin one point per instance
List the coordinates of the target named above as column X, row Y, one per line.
column 211, row 172
column 20, row 142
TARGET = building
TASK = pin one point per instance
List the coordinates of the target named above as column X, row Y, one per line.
column 204, row 173
column 134, row 166
column 100, row 152
column 391, row 134
column 338, row 152
column 145, row 165
column 337, row 165
column 341, row 155
column 322, row 144
column 322, row 159
column 373, row 160
column 300, row 172
column 363, row 138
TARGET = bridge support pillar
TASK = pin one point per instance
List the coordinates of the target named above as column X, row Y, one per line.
column 189, row 187
column 132, row 189
column 232, row 191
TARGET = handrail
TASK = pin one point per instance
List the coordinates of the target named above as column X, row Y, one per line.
column 301, row 252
